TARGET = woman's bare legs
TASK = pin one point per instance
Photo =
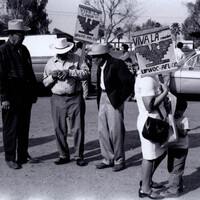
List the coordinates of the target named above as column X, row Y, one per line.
column 148, row 169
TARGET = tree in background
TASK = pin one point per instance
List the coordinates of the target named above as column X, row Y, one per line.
column 191, row 26
column 31, row 11
column 175, row 30
column 101, row 32
column 130, row 28
column 118, row 33
column 114, row 14
column 150, row 24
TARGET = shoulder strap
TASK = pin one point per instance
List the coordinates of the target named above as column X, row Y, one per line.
column 161, row 115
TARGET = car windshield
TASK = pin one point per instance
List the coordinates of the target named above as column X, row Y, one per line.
column 193, row 60
column 190, row 55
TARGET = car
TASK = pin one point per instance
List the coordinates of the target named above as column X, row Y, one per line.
column 185, row 81
column 39, row 63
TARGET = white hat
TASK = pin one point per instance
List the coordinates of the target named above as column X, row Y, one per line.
column 17, row 25
column 98, row 49
column 61, row 46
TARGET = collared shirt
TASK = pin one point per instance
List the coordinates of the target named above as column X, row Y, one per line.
column 15, row 63
column 102, row 84
column 72, row 84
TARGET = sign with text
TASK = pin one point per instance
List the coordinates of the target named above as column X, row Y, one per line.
column 87, row 24
column 154, row 50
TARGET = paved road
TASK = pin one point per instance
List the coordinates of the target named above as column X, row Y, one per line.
column 45, row 181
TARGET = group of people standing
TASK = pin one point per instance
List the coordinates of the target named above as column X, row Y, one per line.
column 64, row 75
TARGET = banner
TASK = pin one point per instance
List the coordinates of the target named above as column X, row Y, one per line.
column 87, row 25
column 155, row 51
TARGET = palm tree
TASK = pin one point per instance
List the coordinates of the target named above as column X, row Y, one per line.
column 175, row 30
column 118, row 33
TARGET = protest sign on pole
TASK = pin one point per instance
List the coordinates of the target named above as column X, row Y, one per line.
column 87, row 24
column 155, row 51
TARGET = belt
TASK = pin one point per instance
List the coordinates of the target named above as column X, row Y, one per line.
column 103, row 90
column 70, row 95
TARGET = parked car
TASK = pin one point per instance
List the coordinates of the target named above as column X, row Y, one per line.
column 38, row 68
column 186, row 80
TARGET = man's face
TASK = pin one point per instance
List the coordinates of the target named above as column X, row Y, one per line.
column 17, row 37
column 98, row 59
column 62, row 56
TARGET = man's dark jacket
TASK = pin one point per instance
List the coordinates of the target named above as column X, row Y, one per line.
column 118, row 81
column 16, row 73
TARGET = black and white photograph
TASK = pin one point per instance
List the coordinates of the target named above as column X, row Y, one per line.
column 99, row 99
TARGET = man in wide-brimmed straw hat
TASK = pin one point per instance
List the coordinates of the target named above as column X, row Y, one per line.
column 114, row 85
column 63, row 74
column 17, row 94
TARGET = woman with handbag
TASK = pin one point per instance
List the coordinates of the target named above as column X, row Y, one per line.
column 150, row 94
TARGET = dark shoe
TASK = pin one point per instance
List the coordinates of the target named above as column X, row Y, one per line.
column 103, row 166
column 151, row 194
column 81, row 162
column 13, row 164
column 168, row 194
column 118, row 167
column 61, row 161
column 154, row 185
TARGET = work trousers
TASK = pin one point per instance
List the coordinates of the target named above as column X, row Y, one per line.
column 176, row 166
column 72, row 107
column 111, row 131
column 16, row 123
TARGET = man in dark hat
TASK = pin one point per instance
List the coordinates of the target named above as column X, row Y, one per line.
column 17, row 94
column 114, row 85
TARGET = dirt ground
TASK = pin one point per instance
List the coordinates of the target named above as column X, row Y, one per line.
column 46, row 181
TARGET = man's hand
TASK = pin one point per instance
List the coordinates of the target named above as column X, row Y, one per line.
column 63, row 75
column 6, row 105
column 55, row 74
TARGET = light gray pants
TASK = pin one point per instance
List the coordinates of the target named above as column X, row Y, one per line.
column 74, row 108
column 111, row 131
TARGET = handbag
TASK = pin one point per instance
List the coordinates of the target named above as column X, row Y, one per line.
column 156, row 130
column 173, row 133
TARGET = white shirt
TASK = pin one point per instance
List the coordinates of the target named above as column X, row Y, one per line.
column 102, row 84
column 72, row 83
column 179, row 54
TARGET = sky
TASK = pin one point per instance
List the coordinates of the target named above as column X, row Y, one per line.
column 63, row 13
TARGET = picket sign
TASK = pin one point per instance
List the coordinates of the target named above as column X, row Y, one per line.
column 154, row 51
column 87, row 24
column 87, row 27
